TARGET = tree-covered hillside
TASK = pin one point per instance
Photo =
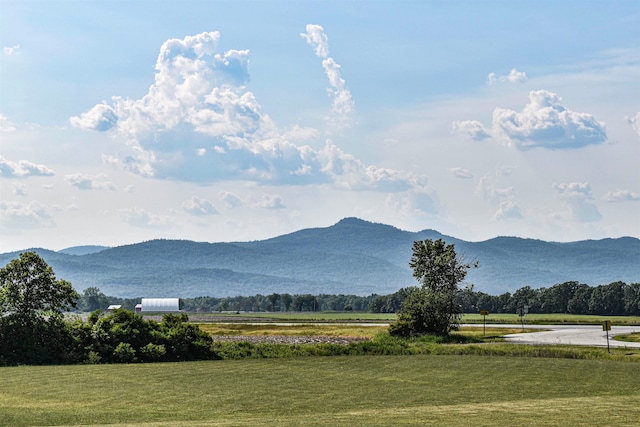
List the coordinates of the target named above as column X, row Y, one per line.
column 350, row 257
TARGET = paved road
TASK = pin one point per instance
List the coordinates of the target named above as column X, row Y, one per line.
column 587, row 335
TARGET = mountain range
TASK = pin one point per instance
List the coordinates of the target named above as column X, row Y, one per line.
column 352, row 256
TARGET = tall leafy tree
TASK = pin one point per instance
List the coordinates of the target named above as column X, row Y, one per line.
column 32, row 329
column 434, row 307
column 30, row 291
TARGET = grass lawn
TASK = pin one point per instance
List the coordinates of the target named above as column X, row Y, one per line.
column 354, row 390
column 635, row 337
column 553, row 319
column 297, row 316
column 350, row 316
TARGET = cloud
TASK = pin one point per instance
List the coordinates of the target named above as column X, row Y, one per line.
column 199, row 123
column 141, row 218
column 508, row 210
column 342, row 105
column 545, row 123
column 504, row 199
column 491, row 193
column 101, row 117
column 270, row 201
column 316, row 38
column 635, row 122
column 414, row 203
column 17, row 215
column 579, row 200
column 19, row 189
column 11, row 50
column 230, row 200
column 6, row 125
column 471, row 128
column 514, row 76
column 349, row 173
column 461, row 173
column 22, row 169
column 87, row 182
column 197, row 206
column 622, row 196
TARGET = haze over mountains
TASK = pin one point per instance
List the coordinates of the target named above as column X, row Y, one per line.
column 350, row 257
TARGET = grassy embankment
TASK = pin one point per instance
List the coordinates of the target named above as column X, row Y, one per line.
column 353, row 391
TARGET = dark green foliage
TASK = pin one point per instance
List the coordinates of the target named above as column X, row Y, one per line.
column 31, row 304
column 390, row 303
column 92, row 299
column 29, row 289
column 276, row 302
column 614, row 299
column 33, row 331
column 126, row 337
column 435, row 307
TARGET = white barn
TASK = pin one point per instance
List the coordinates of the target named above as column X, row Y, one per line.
column 160, row 304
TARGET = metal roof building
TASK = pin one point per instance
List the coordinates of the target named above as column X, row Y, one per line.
column 160, row 304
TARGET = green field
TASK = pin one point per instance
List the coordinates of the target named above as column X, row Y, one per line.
column 387, row 317
column 305, row 316
column 553, row 319
column 363, row 390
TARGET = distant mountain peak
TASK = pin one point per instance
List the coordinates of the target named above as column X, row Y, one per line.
column 352, row 220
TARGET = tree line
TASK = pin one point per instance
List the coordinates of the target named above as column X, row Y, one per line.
column 93, row 299
column 614, row 299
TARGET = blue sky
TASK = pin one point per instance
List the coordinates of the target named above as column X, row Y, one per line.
column 222, row 121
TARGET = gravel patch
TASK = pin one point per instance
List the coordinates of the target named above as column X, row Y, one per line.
column 287, row 339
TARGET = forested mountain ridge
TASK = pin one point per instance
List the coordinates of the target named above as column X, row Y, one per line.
column 350, row 257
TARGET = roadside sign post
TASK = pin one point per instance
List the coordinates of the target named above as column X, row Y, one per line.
column 606, row 326
column 484, row 314
column 521, row 313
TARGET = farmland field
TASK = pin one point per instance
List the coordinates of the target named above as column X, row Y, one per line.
column 355, row 390
column 532, row 318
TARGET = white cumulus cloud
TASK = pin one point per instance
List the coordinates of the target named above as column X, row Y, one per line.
column 88, row 182
column 514, row 76
column 579, row 200
column 622, row 196
column 198, row 206
column 142, row 218
column 230, row 200
column 17, row 215
column 508, row 210
column 545, row 123
column 22, row 169
column 270, row 201
column 198, row 122
column 471, row 128
column 101, row 117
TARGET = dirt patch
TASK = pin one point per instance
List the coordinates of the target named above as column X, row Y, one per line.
column 287, row 339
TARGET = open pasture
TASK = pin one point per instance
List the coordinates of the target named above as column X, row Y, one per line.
column 552, row 319
column 363, row 390
column 350, row 316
